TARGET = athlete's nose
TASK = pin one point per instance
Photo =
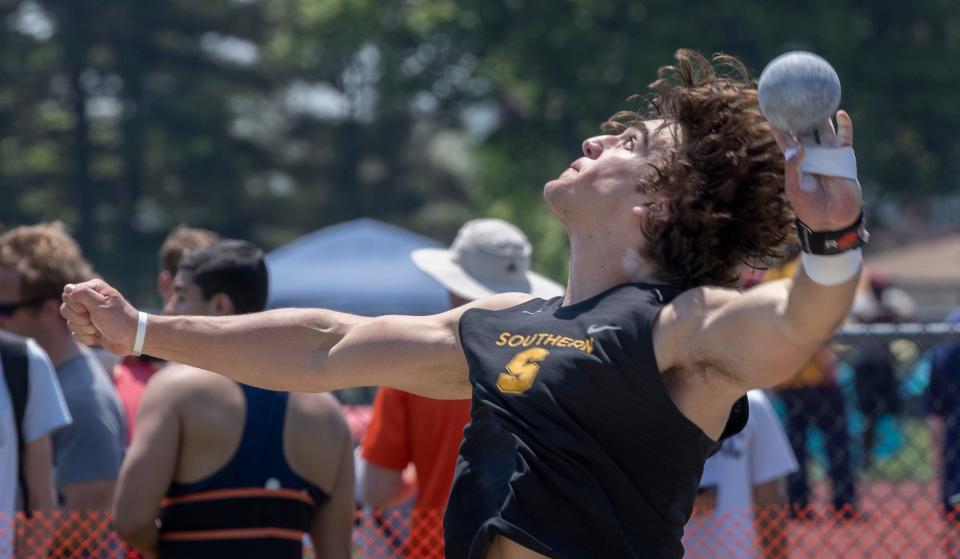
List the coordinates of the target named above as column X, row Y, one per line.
column 592, row 147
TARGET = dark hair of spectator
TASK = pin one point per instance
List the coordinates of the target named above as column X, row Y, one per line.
column 234, row 268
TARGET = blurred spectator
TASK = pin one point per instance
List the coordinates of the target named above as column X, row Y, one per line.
column 35, row 263
column 212, row 456
column 130, row 376
column 813, row 399
column 488, row 256
column 742, row 494
column 30, row 388
column 943, row 400
column 874, row 365
column 181, row 240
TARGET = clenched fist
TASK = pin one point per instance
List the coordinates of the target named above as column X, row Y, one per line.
column 97, row 313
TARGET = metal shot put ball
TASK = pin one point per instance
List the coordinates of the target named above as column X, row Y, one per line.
column 798, row 91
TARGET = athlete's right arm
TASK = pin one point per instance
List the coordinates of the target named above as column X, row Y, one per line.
column 305, row 350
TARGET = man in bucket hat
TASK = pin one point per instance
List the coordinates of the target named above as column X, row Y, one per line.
column 488, row 256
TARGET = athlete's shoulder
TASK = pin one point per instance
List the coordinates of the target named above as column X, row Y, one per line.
column 683, row 317
column 501, row 301
column 691, row 308
column 494, row 303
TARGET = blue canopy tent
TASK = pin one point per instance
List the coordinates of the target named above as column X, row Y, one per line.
column 361, row 267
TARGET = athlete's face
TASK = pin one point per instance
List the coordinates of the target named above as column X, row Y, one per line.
column 609, row 175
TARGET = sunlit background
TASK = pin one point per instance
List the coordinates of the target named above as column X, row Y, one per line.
column 268, row 119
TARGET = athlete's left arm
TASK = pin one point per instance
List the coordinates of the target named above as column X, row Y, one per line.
column 150, row 464
column 766, row 334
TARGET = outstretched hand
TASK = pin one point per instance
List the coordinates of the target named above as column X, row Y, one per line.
column 823, row 203
column 97, row 313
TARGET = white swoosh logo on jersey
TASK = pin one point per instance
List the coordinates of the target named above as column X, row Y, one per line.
column 532, row 312
column 595, row 329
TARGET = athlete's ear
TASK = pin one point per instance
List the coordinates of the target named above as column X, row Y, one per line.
column 654, row 208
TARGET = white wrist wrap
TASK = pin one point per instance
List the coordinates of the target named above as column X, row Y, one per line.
column 834, row 269
column 832, row 162
column 141, row 334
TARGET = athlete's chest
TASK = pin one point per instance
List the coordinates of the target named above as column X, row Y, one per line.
column 557, row 349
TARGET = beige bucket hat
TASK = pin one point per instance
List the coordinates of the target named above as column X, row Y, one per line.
column 487, row 257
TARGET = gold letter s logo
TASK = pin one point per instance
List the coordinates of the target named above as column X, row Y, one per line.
column 521, row 370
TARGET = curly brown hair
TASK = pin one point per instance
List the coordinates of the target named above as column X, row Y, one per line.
column 723, row 183
column 46, row 258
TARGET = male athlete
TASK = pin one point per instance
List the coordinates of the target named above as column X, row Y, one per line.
column 593, row 413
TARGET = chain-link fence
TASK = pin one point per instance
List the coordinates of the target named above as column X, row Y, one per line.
column 874, row 422
column 877, row 432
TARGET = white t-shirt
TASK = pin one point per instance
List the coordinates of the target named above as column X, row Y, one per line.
column 758, row 454
column 46, row 411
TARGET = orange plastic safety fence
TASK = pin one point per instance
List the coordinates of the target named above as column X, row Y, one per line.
column 899, row 526
column 60, row 535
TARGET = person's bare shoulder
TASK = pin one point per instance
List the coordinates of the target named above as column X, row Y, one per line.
column 320, row 408
column 179, row 383
column 683, row 317
column 690, row 310
column 503, row 301
column 498, row 302
column 316, row 436
column 698, row 302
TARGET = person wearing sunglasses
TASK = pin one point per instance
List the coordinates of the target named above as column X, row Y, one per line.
column 35, row 263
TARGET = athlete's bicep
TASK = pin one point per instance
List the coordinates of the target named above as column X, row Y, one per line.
column 419, row 354
column 415, row 354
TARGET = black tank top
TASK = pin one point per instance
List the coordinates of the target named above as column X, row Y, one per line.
column 254, row 506
column 575, row 449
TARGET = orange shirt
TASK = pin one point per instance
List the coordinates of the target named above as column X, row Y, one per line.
column 130, row 378
column 408, row 428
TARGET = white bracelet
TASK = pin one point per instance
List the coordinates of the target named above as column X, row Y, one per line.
column 833, row 269
column 141, row 334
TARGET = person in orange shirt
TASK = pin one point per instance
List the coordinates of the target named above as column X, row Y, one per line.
column 488, row 256
column 813, row 399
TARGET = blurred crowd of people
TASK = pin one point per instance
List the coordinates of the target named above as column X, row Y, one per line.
column 194, row 464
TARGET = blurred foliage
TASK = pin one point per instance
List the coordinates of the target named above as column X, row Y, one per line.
column 266, row 119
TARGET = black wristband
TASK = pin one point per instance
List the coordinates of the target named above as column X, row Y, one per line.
column 832, row 242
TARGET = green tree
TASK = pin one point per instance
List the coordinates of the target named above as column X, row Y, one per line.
column 265, row 119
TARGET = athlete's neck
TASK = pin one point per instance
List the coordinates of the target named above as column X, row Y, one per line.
column 599, row 262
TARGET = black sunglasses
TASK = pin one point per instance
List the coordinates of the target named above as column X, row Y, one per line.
column 7, row 309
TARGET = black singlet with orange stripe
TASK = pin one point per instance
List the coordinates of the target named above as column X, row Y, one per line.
column 575, row 448
column 255, row 506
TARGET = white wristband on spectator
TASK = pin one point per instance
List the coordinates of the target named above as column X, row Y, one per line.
column 141, row 334
column 833, row 269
